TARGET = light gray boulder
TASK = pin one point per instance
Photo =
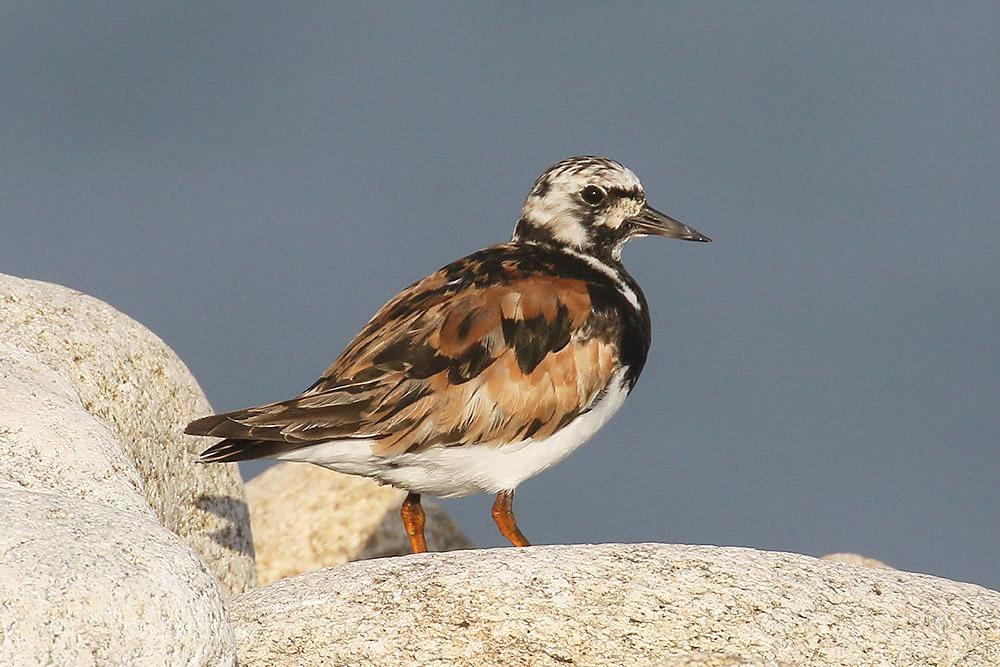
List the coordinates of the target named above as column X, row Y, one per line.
column 143, row 394
column 86, row 583
column 115, row 547
column 616, row 604
column 50, row 443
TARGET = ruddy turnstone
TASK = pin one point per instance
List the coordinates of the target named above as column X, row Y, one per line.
column 486, row 372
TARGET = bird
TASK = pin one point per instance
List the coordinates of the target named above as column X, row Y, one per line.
column 489, row 370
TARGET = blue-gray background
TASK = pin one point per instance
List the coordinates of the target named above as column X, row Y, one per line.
column 253, row 180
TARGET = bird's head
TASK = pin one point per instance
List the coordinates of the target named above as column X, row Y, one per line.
column 593, row 205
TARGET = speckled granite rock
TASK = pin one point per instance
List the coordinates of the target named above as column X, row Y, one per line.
column 305, row 518
column 702, row 659
column 115, row 547
column 85, row 583
column 127, row 378
column 615, row 605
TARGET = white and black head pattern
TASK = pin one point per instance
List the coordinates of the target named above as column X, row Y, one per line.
column 592, row 205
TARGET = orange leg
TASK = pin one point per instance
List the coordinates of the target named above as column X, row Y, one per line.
column 413, row 520
column 506, row 522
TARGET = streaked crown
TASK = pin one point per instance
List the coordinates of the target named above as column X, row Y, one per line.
column 592, row 205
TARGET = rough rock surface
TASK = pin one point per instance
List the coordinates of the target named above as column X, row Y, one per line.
column 96, row 484
column 615, row 605
column 143, row 394
column 701, row 659
column 50, row 443
column 84, row 583
column 305, row 518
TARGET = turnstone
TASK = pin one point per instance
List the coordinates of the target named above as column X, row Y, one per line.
column 488, row 371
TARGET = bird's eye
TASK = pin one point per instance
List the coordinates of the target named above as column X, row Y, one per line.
column 593, row 195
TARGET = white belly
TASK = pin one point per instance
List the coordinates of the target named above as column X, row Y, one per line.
column 463, row 470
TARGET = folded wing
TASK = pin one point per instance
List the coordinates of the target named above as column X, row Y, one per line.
column 446, row 362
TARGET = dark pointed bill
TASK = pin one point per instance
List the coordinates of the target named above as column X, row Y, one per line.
column 651, row 221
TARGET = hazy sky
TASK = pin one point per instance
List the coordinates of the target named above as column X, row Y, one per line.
column 253, row 180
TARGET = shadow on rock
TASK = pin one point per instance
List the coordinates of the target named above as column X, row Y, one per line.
column 237, row 512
